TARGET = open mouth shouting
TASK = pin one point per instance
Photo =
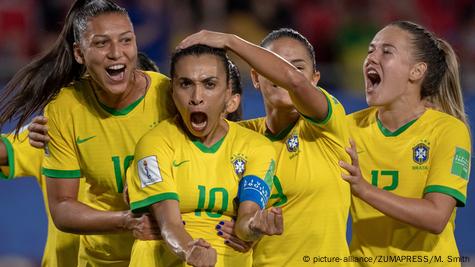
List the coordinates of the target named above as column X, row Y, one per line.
column 198, row 121
column 373, row 79
column 116, row 72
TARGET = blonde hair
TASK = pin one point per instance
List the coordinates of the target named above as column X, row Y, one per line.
column 448, row 97
column 441, row 84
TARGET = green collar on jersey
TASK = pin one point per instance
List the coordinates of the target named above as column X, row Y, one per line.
column 282, row 134
column 388, row 133
column 123, row 111
column 211, row 149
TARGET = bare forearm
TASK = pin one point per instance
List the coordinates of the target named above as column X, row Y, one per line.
column 177, row 239
column 421, row 213
column 242, row 229
column 305, row 96
column 75, row 217
column 167, row 214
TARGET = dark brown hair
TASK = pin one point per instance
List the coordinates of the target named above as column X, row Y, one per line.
column 36, row 84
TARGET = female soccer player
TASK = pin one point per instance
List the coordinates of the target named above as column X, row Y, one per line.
column 308, row 129
column 197, row 169
column 18, row 159
column 94, row 123
column 233, row 107
column 410, row 165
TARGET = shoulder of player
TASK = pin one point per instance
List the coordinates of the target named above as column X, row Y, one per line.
column 361, row 117
column 157, row 79
column 165, row 130
column 253, row 124
column 443, row 122
column 250, row 135
column 69, row 98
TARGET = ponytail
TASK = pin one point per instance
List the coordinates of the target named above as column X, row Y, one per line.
column 36, row 84
column 449, row 97
column 441, row 84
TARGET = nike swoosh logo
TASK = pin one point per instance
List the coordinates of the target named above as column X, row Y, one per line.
column 179, row 164
column 80, row 141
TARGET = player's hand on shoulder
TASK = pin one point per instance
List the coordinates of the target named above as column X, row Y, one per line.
column 38, row 132
column 200, row 254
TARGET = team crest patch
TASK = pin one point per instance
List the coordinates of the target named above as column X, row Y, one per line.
column 292, row 143
column 420, row 153
column 148, row 170
column 239, row 164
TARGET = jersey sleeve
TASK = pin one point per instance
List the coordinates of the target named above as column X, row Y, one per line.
column 257, row 181
column 450, row 165
column 150, row 178
column 23, row 159
column 60, row 159
column 334, row 125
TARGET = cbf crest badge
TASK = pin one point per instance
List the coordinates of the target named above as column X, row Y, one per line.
column 239, row 163
column 420, row 153
column 292, row 143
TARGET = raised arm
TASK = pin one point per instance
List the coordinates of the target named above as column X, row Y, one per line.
column 306, row 97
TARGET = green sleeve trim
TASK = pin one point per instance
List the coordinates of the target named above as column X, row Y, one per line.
column 459, row 197
column 142, row 205
column 11, row 159
column 324, row 120
column 61, row 173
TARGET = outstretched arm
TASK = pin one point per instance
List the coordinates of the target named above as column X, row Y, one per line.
column 195, row 252
column 431, row 213
column 70, row 215
column 306, row 97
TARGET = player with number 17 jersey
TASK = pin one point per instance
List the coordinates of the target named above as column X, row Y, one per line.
column 432, row 155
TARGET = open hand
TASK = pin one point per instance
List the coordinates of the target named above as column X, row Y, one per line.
column 204, row 37
column 357, row 183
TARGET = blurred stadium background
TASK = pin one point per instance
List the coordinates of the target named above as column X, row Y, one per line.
column 340, row 30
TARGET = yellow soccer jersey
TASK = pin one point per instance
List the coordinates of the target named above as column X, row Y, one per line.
column 61, row 248
column 204, row 180
column 430, row 154
column 315, row 200
column 91, row 140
